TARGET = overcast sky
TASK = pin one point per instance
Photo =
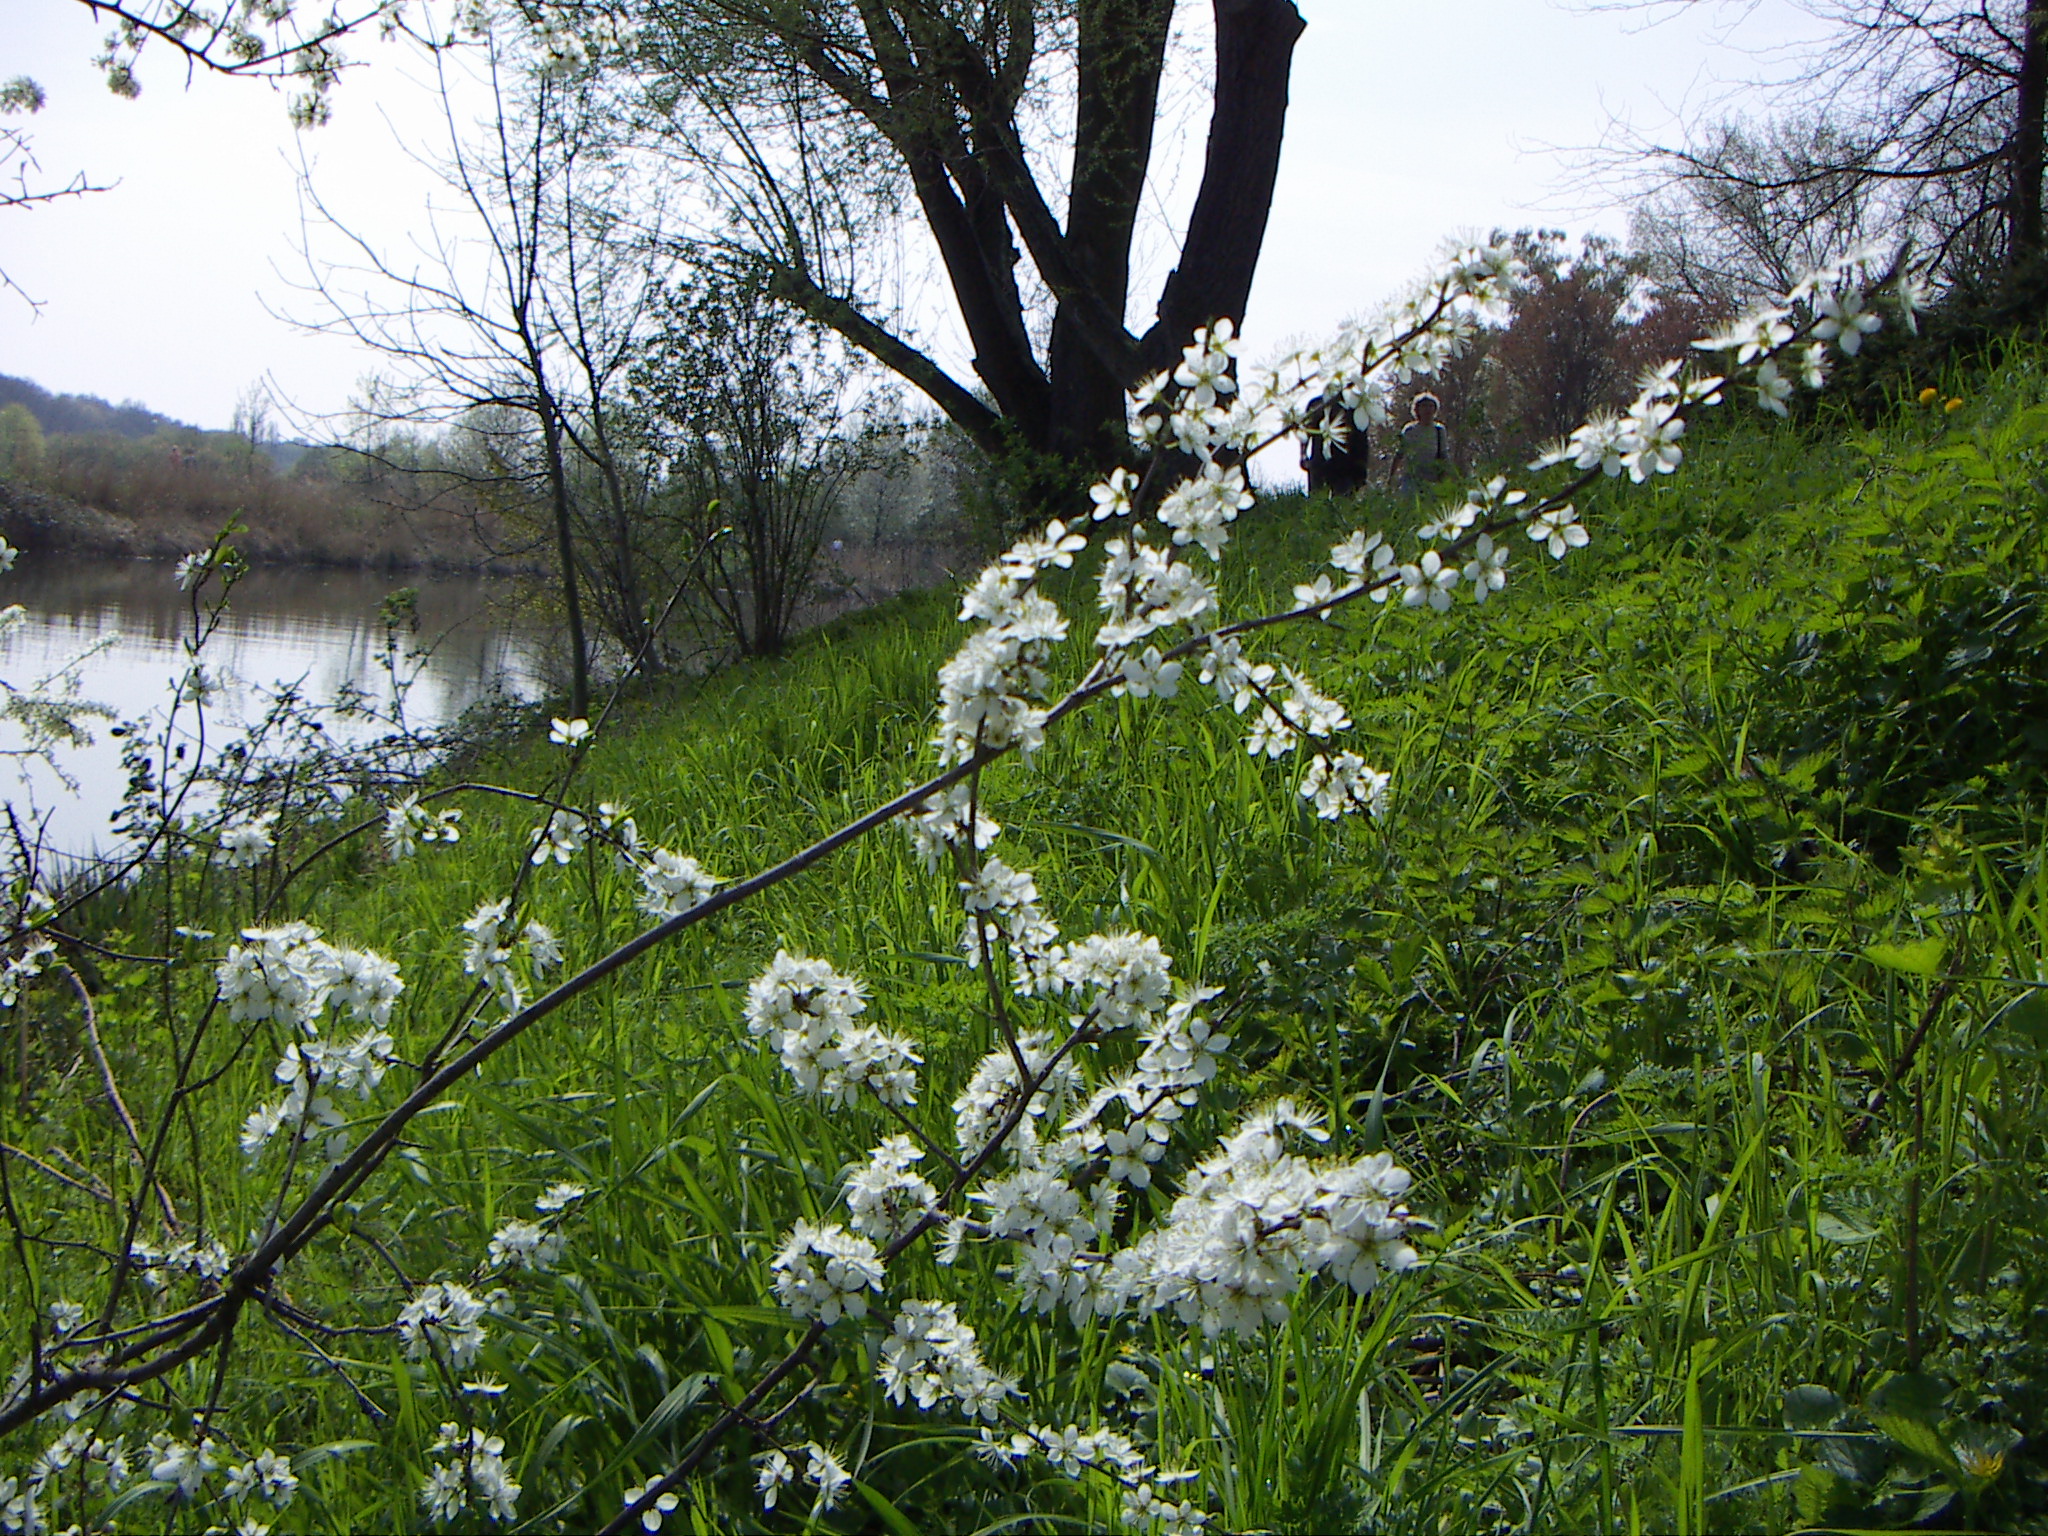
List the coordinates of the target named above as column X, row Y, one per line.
column 1410, row 123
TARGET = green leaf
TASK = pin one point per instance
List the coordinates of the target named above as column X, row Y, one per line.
column 1918, row 1437
column 1834, row 1229
column 1921, row 957
column 892, row 1517
column 1911, row 1394
column 1811, row 1407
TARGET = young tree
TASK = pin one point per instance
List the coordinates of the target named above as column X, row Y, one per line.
column 810, row 123
column 756, row 404
column 475, row 320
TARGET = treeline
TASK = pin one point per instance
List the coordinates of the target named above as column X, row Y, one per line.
column 170, row 490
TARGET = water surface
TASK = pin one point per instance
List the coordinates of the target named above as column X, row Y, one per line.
column 318, row 631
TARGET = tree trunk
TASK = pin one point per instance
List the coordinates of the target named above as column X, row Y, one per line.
column 1254, row 52
column 1121, row 55
column 2024, row 240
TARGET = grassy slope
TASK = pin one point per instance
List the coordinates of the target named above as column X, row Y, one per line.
column 1601, row 979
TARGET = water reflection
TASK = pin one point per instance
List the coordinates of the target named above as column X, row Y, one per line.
column 316, row 630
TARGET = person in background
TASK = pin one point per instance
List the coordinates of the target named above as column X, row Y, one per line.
column 1423, row 456
column 1337, row 467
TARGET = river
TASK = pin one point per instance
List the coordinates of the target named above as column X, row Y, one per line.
column 317, row 630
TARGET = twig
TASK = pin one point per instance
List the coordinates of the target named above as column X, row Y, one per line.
column 113, row 1090
column 62, row 1178
column 375, row 1414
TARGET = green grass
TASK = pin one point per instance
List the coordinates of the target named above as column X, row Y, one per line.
column 1692, row 837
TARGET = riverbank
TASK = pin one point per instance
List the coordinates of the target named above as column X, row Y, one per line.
column 354, row 538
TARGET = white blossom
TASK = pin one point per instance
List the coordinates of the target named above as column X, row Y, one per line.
column 475, row 1470
column 244, row 846
column 1486, row 572
column 1344, row 784
column 1429, row 581
column 568, row 733
column 446, row 1320
column 1559, row 529
column 525, row 1245
column 564, row 835
column 671, row 883
column 826, row 1272
column 409, row 823
column 267, row 1476
column 884, row 1198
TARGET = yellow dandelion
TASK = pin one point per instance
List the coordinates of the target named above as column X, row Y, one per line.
column 1953, row 406
column 1929, row 395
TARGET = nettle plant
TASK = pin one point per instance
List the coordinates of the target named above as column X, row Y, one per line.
column 1061, row 1160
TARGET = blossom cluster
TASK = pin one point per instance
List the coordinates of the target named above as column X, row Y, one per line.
column 535, row 1245
column 821, row 1469
column 931, row 1357
column 408, row 824
column 824, row 1273
column 808, row 1014
column 490, row 949
column 79, row 1458
column 444, row 1320
column 290, row 975
column 1073, row 1451
column 473, row 1473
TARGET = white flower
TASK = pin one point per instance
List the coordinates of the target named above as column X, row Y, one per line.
column 1909, row 294
column 1429, row 582
column 884, row 1198
column 1813, row 366
column 1486, row 572
column 1312, row 594
column 187, row 573
column 1147, row 676
column 1844, row 320
column 672, row 883
column 475, row 1468
column 65, row 1316
column 826, row 1272
column 559, row 1197
column 1559, row 529
column 568, row 733
column 444, row 1319
column 244, row 846
column 1112, row 497
column 1773, row 389
column 408, row 823
column 931, row 1357
column 823, row 1471
column 1205, row 365
column 1225, row 669
column 774, row 1475
column 1027, row 557
column 525, row 1245
column 564, row 836
column 652, row 1516
column 1345, row 784
column 268, row 1476
column 542, row 948
column 1361, row 554
column 183, row 1466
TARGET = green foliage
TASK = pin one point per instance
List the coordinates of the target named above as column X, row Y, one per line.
column 1695, row 972
column 21, row 445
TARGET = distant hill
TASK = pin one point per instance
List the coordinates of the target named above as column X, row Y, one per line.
column 85, row 413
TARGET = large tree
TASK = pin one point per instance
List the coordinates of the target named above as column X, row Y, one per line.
column 1020, row 133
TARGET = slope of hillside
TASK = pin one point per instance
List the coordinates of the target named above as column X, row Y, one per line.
column 1693, row 971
